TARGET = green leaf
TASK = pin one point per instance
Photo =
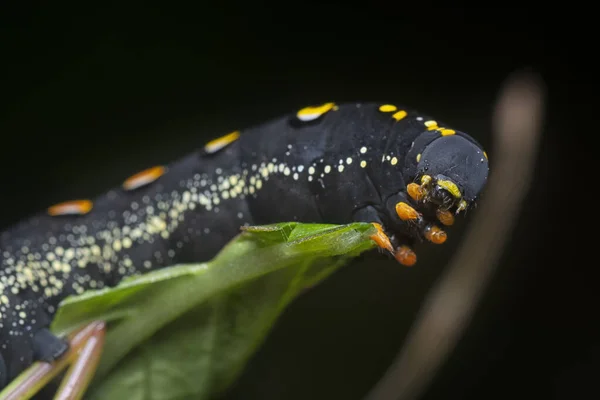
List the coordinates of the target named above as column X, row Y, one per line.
column 188, row 330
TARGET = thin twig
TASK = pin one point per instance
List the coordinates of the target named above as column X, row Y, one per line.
column 448, row 308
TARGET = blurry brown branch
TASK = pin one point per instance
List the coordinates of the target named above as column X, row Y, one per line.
column 449, row 306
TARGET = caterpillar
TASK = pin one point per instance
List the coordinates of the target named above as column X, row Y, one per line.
column 333, row 163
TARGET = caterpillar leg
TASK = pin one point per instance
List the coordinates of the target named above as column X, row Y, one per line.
column 370, row 215
column 407, row 224
column 47, row 347
column 81, row 358
column 402, row 252
column 409, row 220
column 381, row 238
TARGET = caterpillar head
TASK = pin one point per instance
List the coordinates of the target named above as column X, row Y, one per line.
column 451, row 172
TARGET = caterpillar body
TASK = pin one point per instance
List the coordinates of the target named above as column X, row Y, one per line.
column 378, row 163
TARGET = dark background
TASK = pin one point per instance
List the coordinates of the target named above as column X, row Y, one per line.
column 92, row 95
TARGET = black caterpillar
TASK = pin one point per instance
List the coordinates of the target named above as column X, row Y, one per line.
column 394, row 167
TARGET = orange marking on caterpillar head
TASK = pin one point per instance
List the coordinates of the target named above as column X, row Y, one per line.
column 405, row 256
column 406, row 212
column 445, row 217
column 74, row 207
column 435, row 235
column 381, row 238
column 217, row 144
column 143, row 178
column 415, row 191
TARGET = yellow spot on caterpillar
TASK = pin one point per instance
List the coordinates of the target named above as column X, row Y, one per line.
column 447, row 132
column 387, row 108
column 399, row 115
column 431, row 125
column 75, row 207
column 485, row 155
column 363, row 164
column 312, row 113
column 69, row 254
column 418, row 157
column 425, row 179
column 143, row 178
column 217, row 144
column 450, row 187
column 394, row 161
column 363, row 150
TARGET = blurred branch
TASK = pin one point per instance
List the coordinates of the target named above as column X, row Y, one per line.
column 450, row 304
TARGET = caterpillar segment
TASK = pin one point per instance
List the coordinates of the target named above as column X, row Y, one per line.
column 404, row 172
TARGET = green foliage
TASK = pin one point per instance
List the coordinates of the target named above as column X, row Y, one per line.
column 187, row 331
